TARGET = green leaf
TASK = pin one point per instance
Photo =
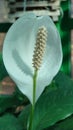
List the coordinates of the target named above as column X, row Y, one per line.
column 66, row 124
column 23, row 117
column 3, row 71
column 11, row 101
column 9, row 122
column 55, row 105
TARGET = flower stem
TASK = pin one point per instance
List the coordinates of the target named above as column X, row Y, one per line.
column 34, row 98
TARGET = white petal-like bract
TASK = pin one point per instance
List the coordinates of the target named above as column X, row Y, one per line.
column 18, row 51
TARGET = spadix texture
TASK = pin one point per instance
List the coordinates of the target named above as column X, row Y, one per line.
column 39, row 47
column 18, row 52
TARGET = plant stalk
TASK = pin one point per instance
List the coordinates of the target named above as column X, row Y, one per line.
column 34, row 98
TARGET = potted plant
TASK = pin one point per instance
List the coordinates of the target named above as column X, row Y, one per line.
column 32, row 55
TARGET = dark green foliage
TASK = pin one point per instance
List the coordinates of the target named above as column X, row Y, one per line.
column 54, row 105
column 66, row 124
column 24, row 116
column 3, row 71
column 4, row 27
column 9, row 122
column 7, row 102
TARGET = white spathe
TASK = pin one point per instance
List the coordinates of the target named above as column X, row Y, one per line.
column 18, row 51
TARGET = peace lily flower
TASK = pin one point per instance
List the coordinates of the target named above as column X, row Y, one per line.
column 19, row 52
